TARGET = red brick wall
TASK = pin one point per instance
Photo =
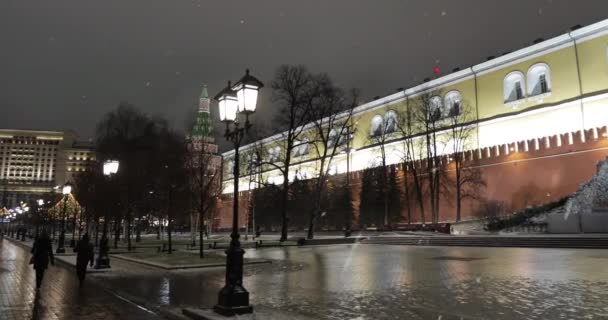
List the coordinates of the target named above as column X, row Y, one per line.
column 514, row 176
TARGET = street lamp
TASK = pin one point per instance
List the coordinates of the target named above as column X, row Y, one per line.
column 110, row 168
column 233, row 100
column 66, row 190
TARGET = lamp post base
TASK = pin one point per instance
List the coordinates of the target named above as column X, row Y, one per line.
column 232, row 311
column 233, row 298
column 60, row 248
column 102, row 263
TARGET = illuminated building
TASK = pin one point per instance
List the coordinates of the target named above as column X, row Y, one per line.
column 32, row 162
column 539, row 126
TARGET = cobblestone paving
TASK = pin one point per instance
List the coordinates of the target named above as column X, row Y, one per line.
column 60, row 296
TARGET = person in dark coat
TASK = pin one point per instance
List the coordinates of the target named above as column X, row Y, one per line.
column 43, row 253
column 84, row 255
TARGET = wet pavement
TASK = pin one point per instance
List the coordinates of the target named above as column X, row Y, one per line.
column 60, row 297
column 398, row 282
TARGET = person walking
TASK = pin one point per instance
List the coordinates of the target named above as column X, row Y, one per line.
column 42, row 253
column 84, row 255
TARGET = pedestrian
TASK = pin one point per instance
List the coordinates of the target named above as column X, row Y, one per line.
column 84, row 255
column 42, row 252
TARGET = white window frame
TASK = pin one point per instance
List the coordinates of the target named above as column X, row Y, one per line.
column 436, row 105
column 451, row 98
column 533, row 79
column 376, row 126
column 509, row 92
column 389, row 116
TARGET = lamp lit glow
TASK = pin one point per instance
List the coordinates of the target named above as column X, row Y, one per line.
column 40, row 202
column 110, row 167
column 228, row 104
column 247, row 92
column 67, row 189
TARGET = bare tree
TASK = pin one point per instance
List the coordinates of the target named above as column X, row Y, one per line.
column 291, row 92
column 467, row 181
column 428, row 114
column 411, row 155
column 204, row 174
column 331, row 118
column 382, row 130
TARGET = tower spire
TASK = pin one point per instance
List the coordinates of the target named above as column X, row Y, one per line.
column 202, row 126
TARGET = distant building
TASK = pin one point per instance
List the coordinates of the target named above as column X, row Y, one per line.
column 32, row 162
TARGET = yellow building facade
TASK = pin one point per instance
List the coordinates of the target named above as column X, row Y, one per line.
column 553, row 87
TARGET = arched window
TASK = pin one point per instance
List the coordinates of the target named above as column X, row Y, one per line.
column 376, row 126
column 435, row 109
column 513, row 86
column 539, row 79
column 332, row 138
column 390, row 121
column 336, row 138
column 274, row 154
column 230, row 166
column 304, row 147
column 452, row 104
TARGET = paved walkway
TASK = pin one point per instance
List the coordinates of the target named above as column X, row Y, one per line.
column 60, row 297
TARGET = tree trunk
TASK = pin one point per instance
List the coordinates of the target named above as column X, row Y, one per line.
column 116, row 233
column 169, row 223
column 96, row 231
column 311, row 225
column 201, row 227
column 284, row 219
column 407, row 196
column 128, row 234
column 458, row 191
column 193, row 219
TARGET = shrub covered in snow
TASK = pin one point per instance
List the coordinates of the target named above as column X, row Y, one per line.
column 590, row 194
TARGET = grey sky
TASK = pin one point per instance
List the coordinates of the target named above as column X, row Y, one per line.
column 64, row 63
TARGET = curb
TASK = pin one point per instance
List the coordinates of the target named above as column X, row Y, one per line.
column 181, row 267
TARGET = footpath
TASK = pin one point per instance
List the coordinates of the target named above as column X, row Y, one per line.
column 120, row 311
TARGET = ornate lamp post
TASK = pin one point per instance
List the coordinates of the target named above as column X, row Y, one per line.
column 67, row 189
column 233, row 100
column 110, row 168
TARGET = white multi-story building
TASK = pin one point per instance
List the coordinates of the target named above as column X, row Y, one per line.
column 32, row 162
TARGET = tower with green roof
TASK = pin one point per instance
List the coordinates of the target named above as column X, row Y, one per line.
column 203, row 127
column 204, row 162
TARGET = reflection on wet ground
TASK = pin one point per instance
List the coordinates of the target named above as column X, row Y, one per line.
column 399, row 282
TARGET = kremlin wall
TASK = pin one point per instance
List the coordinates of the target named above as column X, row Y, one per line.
column 538, row 133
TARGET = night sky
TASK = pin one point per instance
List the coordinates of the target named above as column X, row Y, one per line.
column 64, row 63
